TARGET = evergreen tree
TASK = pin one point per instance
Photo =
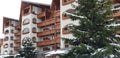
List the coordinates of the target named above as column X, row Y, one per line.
column 28, row 51
column 95, row 37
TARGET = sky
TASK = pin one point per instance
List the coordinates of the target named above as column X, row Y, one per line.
column 11, row 9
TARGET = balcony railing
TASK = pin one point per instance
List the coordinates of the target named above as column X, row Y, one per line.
column 57, row 13
column 57, row 26
column 49, row 42
column 47, row 32
column 41, row 14
column 46, row 22
column 1, row 43
column 18, row 34
column 117, row 14
column 16, row 48
column 17, row 27
column 17, row 40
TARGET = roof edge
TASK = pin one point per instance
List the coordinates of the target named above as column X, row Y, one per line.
column 10, row 18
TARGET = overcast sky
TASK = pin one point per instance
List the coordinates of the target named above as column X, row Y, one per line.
column 11, row 8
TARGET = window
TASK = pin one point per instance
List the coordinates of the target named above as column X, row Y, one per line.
column 46, row 49
column 26, row 21
column 12, row 31
column 70, row 11
column 11, row 38
column 65, row 0
column 117, row 6
column 7, row 31
column 45, row 29
column 66, row 30
column 34, row 39
column 34, row 20
column 5, row 52
column 46, row 38
column 11, row 52
column 6, row 38
column 11, row 44
column 26, row 10
column 66, row 45
column 6, row 45
column 6, row 23
column 25, row 30
column 34, row 30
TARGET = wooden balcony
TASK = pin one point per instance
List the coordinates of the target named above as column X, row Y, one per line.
column 67, row 2
column 17, row 34
column 17, row 40
column 16, row 48
column 43, row 14
column 6, row 26
column 58, row 20
column 47, row 32
column 17, row 27
column 1, row 43
column 117, row 14
column 57, row 26
column 49, row 42
column 57, row 13
column 46, row 22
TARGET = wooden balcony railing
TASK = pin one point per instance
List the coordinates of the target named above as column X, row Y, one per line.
column 18, row 34
column 47, row 32
column 46, row 22
column 57, row 26
column 16, row 48
column 17, row 40
column 58, row 20
column 41, row 14
column 49, row 42
column 1, row 43
column 57, row 13
column 17, row 27
column 67, row 2
column 117, row 14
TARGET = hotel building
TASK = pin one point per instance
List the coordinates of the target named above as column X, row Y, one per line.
column 39, row 22
column 44, row 24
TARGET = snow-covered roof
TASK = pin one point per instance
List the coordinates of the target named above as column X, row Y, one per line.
column 39, row 2
column 60, row 51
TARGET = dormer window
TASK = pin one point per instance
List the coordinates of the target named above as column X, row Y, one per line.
column 26, row 10
column 46, row 49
